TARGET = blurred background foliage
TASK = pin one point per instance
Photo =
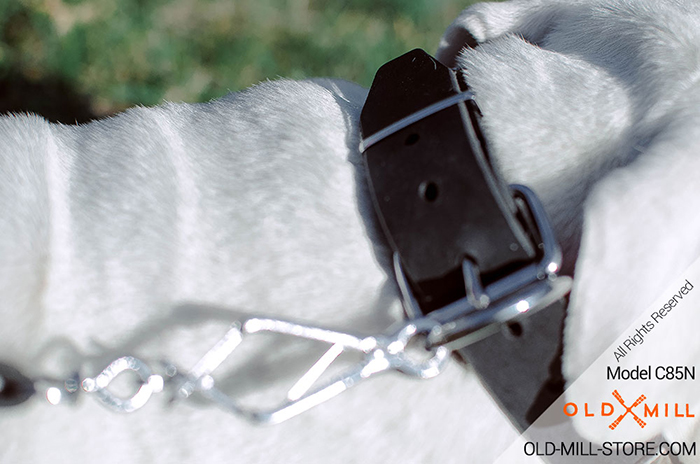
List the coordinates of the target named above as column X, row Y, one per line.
column 73, row 60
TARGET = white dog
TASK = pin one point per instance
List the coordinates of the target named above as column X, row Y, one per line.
column 149, row 232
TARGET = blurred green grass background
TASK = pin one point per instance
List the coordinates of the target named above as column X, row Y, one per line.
column 101, row 56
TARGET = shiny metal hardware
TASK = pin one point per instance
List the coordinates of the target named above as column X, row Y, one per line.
column 483, row 310
column 476, row 296
column 381, row 353
column 150, row 384
column 60, row 391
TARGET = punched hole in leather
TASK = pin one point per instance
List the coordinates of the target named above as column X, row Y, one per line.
column 441, row 202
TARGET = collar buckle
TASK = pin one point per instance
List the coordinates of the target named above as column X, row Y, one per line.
column 481, row 312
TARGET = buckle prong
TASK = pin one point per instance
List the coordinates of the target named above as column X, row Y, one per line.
column 476, row 296
column 410, row 303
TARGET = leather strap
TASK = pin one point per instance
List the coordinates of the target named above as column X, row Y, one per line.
column 441, row 204
column 435, row 189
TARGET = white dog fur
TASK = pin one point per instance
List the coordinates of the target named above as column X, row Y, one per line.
column 150, row 231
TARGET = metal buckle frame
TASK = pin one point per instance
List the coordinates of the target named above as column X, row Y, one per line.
column 481, row 312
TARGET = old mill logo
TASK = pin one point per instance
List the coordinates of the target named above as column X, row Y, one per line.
column 608, row 409
column 628, row 410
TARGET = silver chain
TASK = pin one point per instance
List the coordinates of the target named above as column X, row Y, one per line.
column 380, row 354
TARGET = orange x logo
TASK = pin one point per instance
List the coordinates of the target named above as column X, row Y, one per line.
column 628, row 410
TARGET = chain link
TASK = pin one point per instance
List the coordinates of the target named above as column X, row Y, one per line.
column 381, row 353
